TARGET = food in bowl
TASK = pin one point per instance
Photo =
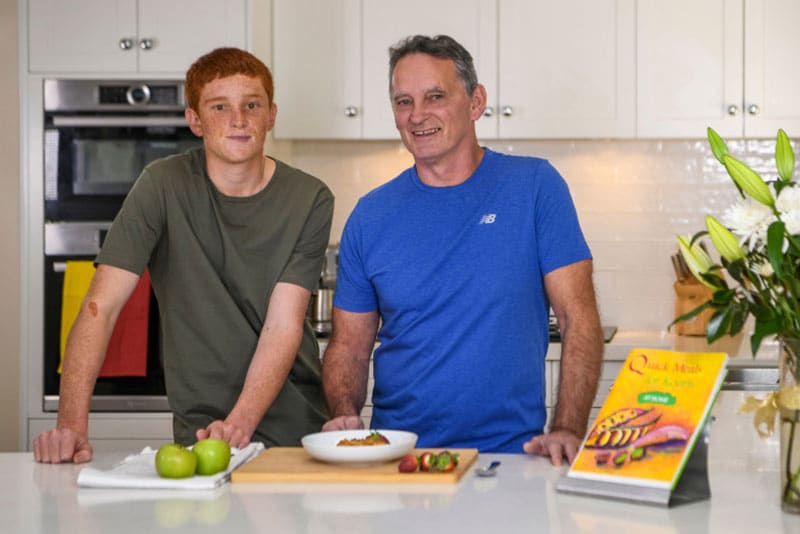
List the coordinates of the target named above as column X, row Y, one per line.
column 374, row 438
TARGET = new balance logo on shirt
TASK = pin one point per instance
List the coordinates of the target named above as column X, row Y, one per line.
column 488, row 218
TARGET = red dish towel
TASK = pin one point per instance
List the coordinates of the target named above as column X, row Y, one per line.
column 127, row 350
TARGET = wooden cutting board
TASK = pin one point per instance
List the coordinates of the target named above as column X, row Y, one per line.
column 293, row 464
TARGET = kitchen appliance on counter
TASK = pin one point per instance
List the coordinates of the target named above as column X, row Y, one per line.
column 98, row 136
column 321, row 307
column 555, row 333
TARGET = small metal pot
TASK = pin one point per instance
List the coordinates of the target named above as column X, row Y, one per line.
column 322, row 306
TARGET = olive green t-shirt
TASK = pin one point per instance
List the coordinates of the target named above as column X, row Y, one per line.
column 214, row 261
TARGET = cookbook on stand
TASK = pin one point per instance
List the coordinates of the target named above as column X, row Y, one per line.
column 649, row 441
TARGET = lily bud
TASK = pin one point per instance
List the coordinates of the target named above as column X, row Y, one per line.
column 724, row 241
column 784, row 157
column 696, row 259
column 718, row 146
column 748, row 180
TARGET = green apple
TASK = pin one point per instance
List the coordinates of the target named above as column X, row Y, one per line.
column 213, row 456
column 175, row 461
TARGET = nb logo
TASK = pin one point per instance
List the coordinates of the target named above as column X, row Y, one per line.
column 488, row 218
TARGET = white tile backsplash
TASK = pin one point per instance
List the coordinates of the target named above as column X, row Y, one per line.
column 632, row 198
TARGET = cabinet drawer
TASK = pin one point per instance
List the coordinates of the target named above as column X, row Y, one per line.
column 115, row 432
column 608, row 373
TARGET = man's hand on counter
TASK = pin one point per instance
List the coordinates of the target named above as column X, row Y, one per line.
column 557, row 444
column 344, row 422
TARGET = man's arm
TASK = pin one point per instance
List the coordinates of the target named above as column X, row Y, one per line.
column 275, row 353
column 571, row 293
column 83, row 357
column 345, row 367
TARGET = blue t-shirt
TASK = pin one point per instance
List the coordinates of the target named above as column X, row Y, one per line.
column 456, row 274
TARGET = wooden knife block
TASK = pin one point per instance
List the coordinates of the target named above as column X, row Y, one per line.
column 689, row 295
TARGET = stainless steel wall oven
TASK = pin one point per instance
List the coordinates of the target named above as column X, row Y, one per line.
column 98, row 136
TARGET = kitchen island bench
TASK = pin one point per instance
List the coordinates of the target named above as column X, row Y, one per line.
column 521, row 498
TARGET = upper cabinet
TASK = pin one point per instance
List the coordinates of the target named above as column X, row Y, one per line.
column 720, row 63
column 771, row 77
column 330, row 59
column 551, row 69
column 566, row 69
column 130, row 36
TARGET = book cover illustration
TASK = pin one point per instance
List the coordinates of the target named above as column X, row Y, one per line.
column 651, row 418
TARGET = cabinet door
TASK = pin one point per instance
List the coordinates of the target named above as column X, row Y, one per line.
column 317, row 68
column 81, row 35
column 566, row 69
column 772, row 79
column 471, row 22
column 180, row 31
column 690, row 67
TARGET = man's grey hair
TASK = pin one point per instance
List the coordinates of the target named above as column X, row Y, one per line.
column 439, row 46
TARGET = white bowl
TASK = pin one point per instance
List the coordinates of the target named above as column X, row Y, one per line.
column 323, row 446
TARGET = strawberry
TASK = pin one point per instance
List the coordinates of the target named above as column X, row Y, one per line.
column 446, row 462
column 426, row 461
column 408, row 464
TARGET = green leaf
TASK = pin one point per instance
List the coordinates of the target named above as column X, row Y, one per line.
column 775, row 247
column 690, row 314
column 784, row 157
column 738, row 319
column 719, row 324
column 718, row 147
column 723, row 297
column 763, row 329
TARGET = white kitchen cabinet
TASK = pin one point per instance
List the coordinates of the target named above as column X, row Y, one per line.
column 608, row 374
column 317, row 68
column 115, row 431
column 330, row 59
column 566, row 69
column 551, row 69
column 130, row 36
column 771, row 77
column 720, row 63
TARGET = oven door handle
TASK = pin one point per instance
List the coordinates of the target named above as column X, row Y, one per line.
column 116, row 121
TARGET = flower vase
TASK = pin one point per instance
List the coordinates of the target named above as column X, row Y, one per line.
column 788, row 401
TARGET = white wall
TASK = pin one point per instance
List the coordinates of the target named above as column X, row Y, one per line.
column 632, row 197
column 9, row 235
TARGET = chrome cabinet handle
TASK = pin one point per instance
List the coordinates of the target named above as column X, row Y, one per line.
column 753, row 109
column 507, row 111
column 126, row 44
column 146, row 44
column 351, row 111
column 733, row 110
column 488, row 112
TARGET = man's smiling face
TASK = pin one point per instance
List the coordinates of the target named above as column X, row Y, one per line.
column 432, row 111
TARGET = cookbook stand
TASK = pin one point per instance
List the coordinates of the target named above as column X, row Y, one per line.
column 692, row 485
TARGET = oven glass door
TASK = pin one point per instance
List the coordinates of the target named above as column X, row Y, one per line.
column 115, row 394
column 89, row 168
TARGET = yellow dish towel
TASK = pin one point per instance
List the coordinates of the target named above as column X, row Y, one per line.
column 77, row 278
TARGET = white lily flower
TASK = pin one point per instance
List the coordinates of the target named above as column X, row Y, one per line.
column 749, row 221
column 788, row 205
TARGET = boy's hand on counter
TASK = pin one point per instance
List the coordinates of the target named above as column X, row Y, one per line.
column 62, row 445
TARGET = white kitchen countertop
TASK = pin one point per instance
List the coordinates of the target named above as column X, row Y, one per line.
column 522, row 498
